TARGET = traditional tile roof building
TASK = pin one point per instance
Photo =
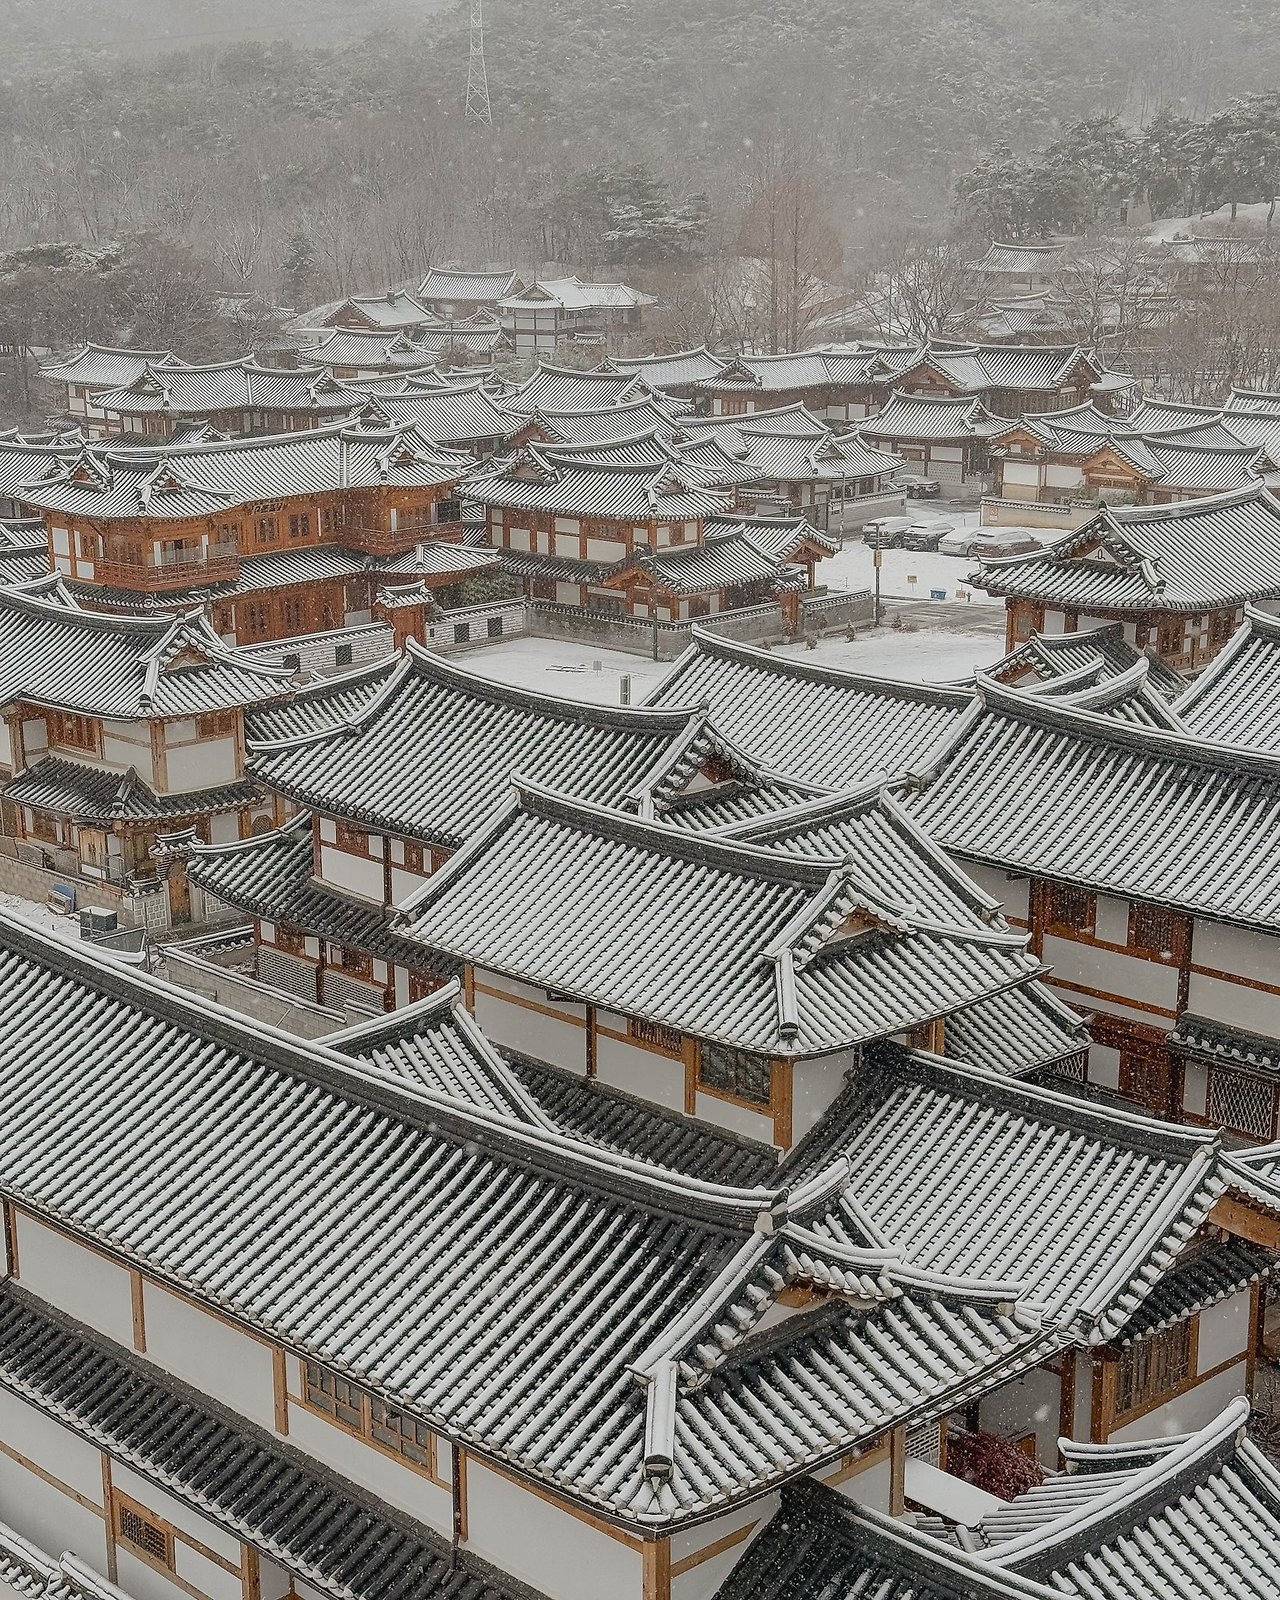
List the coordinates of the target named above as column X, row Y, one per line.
column 552, row 388
column 1193, row 1516
column 1177, row 576
column 838, row 383
column 120, row 728
column 679, row 374
column 94, row 369
column 1142, row 458
column 1062, row 663
column 235, row 397
column 396, row 311
column 782, row 965
column 1143, row 861
column 552, row 312
column 367, row 353
column 946, row 437
column 455, row 291
column 1008, row 379
column 129, row 525
column 1006, row 269
column 459, row 416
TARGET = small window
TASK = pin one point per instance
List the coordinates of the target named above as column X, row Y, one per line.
column 403, row 1435
column 216, row 724
column 461, row 632
column 342, row 656
column 1069, row 910
column 655, row 1035
column 144, row 1533
column 1159, row 933
column 494, row 627
column 333, row 1395
column 736, row 1072
column 1154, row 1367
column 264, row 530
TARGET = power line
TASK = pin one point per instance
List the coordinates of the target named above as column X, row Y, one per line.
column 478, row 107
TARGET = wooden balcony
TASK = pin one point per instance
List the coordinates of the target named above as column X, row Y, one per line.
column 379, row 538
column 219, row 564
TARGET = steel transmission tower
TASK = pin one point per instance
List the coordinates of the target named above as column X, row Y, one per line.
column 478, row 107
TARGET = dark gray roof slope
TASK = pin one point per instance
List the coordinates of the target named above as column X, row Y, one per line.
column 319, row 705
column 610, row 1354
column 431, row 754
column 1216, row 551
column 1032, row 785
column 815, row 724
column 97, row 794
column 339, row 1538
column 1046, row 657
column 778, row 954
column 1196, row 1516
column 55, row 654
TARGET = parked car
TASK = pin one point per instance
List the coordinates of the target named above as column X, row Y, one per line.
column 918, row 488
column 886, row 531
column 926, row 535
column 1004, row 542
column 959, row 543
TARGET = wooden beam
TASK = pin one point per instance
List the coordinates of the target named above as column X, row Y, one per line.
column 1244, row 1221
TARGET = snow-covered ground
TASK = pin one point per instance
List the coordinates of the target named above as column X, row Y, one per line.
column 906, row 574
column 1212, row 224
column 41, row 915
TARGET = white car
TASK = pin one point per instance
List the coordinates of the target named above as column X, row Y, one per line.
column 886, row 531
column 1003, row 542
column 959, row 543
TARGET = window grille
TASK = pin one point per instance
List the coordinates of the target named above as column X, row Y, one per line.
column 1070, row 907
column 494, row 627
column 342, row 656
column 653, row 1033
column 1157, row 932
column 736, row 1072
column 924, row 1443
column 1241, row 1102
column 134, row 1527
column 403, row 1435
column 1153, row 1367
column 461, row 632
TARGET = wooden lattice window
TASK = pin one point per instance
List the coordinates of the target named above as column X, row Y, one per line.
column 1154, row 1367
column 739, row 1073
column 1160, row 933
column 1068, row 909
column 655, row 1035
column 357, row 1411
column 144, row 1533
column 401, row 1434
column 74, row 733
column 216, row 724
column 1146, row 1078
column 1242, row 1102
column 335, row 1396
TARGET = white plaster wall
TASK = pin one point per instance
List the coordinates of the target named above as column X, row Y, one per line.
column 745, row 1120
column 53, row 1448
column 1025, row 473
column 273, row 1581
column 1235, row 1003
column 224, row 826
column 1224, row 1331
column 357, row 874
column 203, row 764
column 871, row 1487
column 544, row 1546
column 1030, row 1402
column 560, row 1043
column 1112, row 921
column 175, row 1511
column 1104, row 1066
column 1060, row 476
column 815, row 1082
column 50, row 1519
column 209, row 1355
column 35, row 737
column 403, row 884
column 705, row 1580
column 6, row 745
column 1115, row 973
column 1012, row 893
column 641, row 1072
column 1195, row 1087
column 75, row 1280
column 128, row 744
column 1238, row 951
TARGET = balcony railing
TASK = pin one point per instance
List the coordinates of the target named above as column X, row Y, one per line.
column 377, row 537
column 219, row 563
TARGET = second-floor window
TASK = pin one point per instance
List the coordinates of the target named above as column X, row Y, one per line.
column 300, row 525
column 216, row 724
column 1159, row 933
column 1154, row 1367
column 1068, row 909
column 385, row 1426
column 74, row 733
column 264, row 530
column 739, row 1073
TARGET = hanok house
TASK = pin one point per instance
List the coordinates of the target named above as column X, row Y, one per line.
column 127, row 526
column 1008, row 379
column 365, row 353
column 461, row 417
column 117, row 729
column 680, row 374
column 1083, row 454
column 837, row 384
column 792, row 463
column 1015, row 269
column 93, row 370
column 399, row 765
column 234, row 397
column 1178, row 576
column 947, row 437
column 1144, row 863
column 581, row 1426
column 560, row 311
column 1236, row 699
column 745, row 1008
column 395, row 311
column 739, row 562
column 455, row 292
column 1118, row 1522
column 565, row 521
column 551, row 388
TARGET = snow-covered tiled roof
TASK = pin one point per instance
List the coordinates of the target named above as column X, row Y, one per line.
column 99, row 366
column 913, row 416
column 180, row 391
column 679, row 369
column 1218, row 550
column 756, row 949
column 1100, row 653
column 458, row 285
column 1236, row 699
column 1034, row 786
column 566, row 389
column 817, row 724
column 647, row 483
column 52, row 653
column 457, row 415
